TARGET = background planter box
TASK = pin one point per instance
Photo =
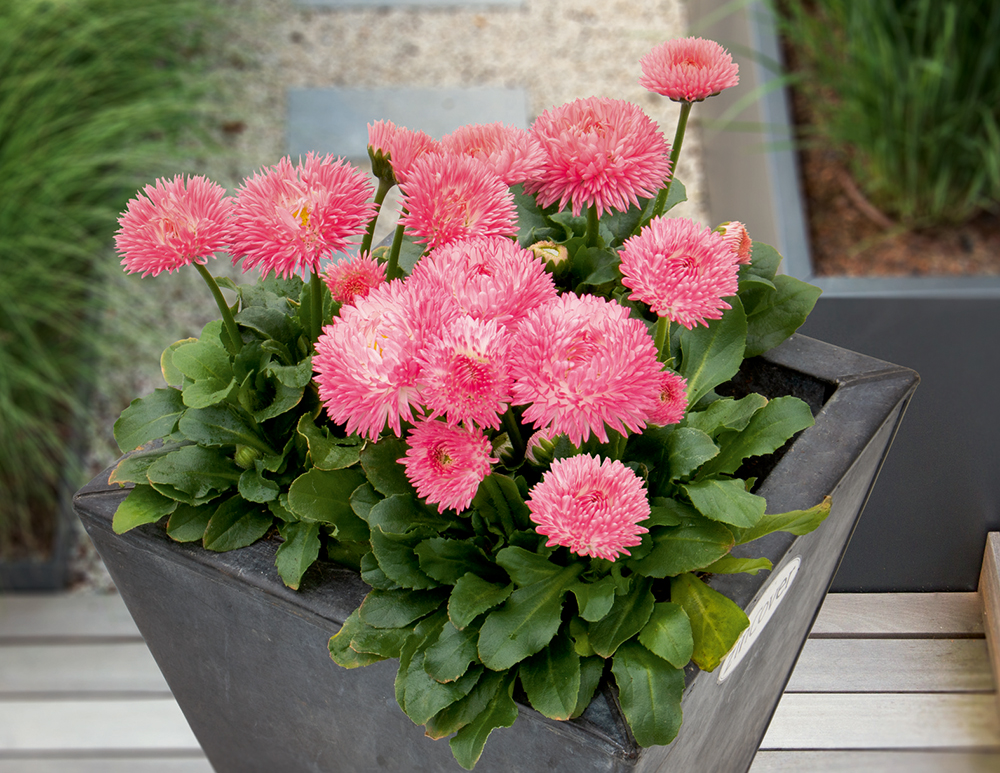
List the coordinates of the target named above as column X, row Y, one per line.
column 247, row 658
column 939, row 494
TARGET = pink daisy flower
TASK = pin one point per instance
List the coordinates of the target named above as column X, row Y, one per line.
column 447, row 464
column 288, row 218
column 172, row 224
column 735, row 235
column 366, row 361
column 688, row 69
column 354, row 278
column 672, row 403
column 489, row 277
column 680, row 270
column 512, row 153
column 599, row 152
column 591, row 506
column 393, row 149
column 465, row 373
column 581, row 363
column 451, row 197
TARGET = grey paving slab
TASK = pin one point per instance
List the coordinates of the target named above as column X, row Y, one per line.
column 335, row 120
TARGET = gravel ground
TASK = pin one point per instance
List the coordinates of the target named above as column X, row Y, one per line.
column 558, row 50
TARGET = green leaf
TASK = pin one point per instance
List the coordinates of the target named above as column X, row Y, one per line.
column 380, row 463
column 325, row 452
column 525, row 567
column 460, row 713
column 726, row 414
column 596, row 265
column 426, row 696
column 209, row 367
column 767, row 431
column 727, row 501
column 340, row 645
column 373, row 575
column 667, row 512
column 499, row 501
column 467, row 744
column 446, row 560
column 298, row 552
column 668, row 634
column 627, row 617
column 363, row 499
column 196, row 471
column 171, row 375
column 650, row 692
column 733, row 565
column 236, row 524
column 764, row 262
column 451, row 655
column 385, row 642
column 134, row 467
column 254, row 487
column 716, row 621
column 771, row 325
column 526, row 622
column 689, row 448
column 324, row 496
column 694, row 544
column 188, row 524
column 551, row 678
column 591, row 671
column 712, row 355
column 533, row 225
column 397, row 559
column 796, row 522
column 222, row 425
column 142, row 505
column 293, row 376
column 396, row 608
column 266, row 322
column 594, row 599
column 148, row 418
column 471, row 596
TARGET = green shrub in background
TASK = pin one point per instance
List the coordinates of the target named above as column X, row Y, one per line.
column 908, row 91
column 96, row 97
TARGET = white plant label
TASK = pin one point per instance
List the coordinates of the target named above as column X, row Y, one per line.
column 759, row 616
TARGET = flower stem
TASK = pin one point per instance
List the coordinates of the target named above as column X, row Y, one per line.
column 383, row 188
column 392, row 268
column 514, row 433
column 662, row 338
column 316, row 306
column 675, row 153
column 593, row 226
column 236, row 340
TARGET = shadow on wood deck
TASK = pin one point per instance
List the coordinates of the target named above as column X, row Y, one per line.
column 886, row 683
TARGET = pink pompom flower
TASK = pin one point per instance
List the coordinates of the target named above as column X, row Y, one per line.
column 591, row 506
column 354, row 278
column 688, row 69
column 599, row 152
column 289, row 217
column 672, row 403
column 172, row 224
column 452, row 197
column 446, row 464
column 512, row 153
column 489, row 277
column 465, row 374
column 681, row 270
column 734, row 234
column 581, row 363
column 393, row 149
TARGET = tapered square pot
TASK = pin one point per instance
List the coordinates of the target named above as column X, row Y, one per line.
column 247, row 658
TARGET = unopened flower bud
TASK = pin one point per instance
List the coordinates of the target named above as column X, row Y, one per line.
column 556, row 256
column 246, row 456
column 381, row 165
column 504, row 451
column 541, row 449
column 735, row 235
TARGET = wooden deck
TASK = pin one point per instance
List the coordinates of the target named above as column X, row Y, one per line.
column 886, row 683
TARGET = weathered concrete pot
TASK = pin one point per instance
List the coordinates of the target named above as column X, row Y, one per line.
column 247, row 658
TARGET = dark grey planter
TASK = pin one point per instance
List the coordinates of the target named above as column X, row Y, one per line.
column 247, row 658
column 939, row 495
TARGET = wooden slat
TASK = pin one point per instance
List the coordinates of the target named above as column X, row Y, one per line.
column 79, row 668
column 106, row 765
column 989, row 590
column 910, row 721
column 871, row 762
column 943, row 615
column 64, row 616
column 97, row 725
column 892, row 665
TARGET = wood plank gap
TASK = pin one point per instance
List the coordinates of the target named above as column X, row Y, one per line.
column 989, row 591
column 948, row 615
column 896, row 635
column 85, row 695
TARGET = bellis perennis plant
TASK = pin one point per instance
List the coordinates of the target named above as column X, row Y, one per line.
column 514, row 421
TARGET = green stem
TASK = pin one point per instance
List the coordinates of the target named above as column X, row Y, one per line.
column 392, row 268
column 316, row 306
column 383, row 188
column 662, row 338
column 514, row 434
column 593, row 226
column 236, row 340
column 661, row 198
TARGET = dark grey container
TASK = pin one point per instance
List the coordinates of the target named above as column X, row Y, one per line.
column 939, row 494
column 247, row 658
